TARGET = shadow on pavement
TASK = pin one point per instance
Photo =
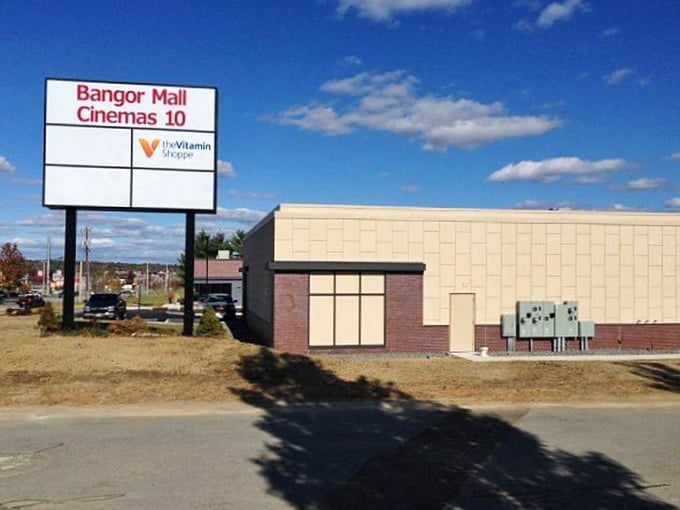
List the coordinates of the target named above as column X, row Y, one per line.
column 390, row 452
column 662, row 376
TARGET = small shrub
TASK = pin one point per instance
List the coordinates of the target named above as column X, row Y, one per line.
column 209, row 325
column 48, row 322
column 128, row 327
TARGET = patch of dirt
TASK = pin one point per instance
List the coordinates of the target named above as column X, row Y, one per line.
column 88, row 370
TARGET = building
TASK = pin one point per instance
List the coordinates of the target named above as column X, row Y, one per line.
column 393, row 279
column 221, row 276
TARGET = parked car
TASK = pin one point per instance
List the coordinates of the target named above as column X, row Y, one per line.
column 3, row 295
column 223, row 305
column 31, row 300
column 105, row 305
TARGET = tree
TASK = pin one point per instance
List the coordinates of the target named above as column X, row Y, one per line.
column 13, row 266
column 235, row 243
column 207, row 246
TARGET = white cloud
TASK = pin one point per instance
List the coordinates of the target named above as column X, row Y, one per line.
column 385, row 10
column 409, row 189
column 251, row 195
column 550, row 14
column 530, row 203
column 388, row 102
column 558, row 11
column 6, row 166
column 675, row 155
column 617, row 76
column 352, row 60
column 225, row 168
column 241, row 215
column 610, row 32
column 550, row 170
column 673, row 203
column 644, row 183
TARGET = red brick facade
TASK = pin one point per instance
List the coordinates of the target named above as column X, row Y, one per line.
column 404, row 330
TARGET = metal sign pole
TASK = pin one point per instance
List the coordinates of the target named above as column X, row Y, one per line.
column 189, row 254
column 68, row 321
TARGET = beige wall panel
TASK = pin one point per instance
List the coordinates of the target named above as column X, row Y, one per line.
column 447, row 232
column 538, row 255
column 583, row 267
column 524, row 267
column 568, row 276
column 627, row 256
column 493, row 243
column 582, row 244
column 335, row 223
column 318, row 230
column 509, row 255
column 568, row 255
column 284, row 250
column 627, row 277
column 347, row 283
column 641, row 244
column 351, row 249
column 479, row 277
column 493, row 310
column 538, row 233
column 641, row 287
column 627, row 235
column 508, row 276
column 523, row 243
column 508, row 233
column 300, row 241
column 352, row 230
column 612, row 310
column 431, row 287
column 335, row 238
column 524, row 288
column 415, row 233
column 655, row 235
column 416, row 251
column 369, row 241
column 597, row 254
column 400, row 242
column 553, row 265
column 320, row 321
column 447, row 278
column 597, row 233
column 553, row 288
column 478, row 254
column 493, row 264
column 372, row 320
column 478, row 233
column 318, row 250
column 554, row 245
column 538, row 276
column 284, row 229
column 384, row 230
column 463, row 264
column 669, row 288
column 670, row 311
column 447, row 254
column 655, row 280
column 568, row 233
column 612, row 286
column 431, row 243
column 384, row 252
column 463, row 242
column 641, row 265
column 655, row 256
column 432, row 263
column 493, row 286
column 612, row 265
column 431, row 311
column 346, row 320
column 641, row 310
column 597, row 277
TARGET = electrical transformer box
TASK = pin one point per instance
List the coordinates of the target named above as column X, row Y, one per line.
column 586, row 329
column 535, row 319
column 566, row 319
column 508, row 326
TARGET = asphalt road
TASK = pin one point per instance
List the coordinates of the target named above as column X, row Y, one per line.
column 365, row 455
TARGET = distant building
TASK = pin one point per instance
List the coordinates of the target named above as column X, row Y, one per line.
column 223, row 276
column 396, row 279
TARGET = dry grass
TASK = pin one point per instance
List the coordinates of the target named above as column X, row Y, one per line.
column 81, row 370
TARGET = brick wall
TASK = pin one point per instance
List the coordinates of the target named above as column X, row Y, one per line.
column 607, row 336
column 404, row 330
column 291, row 311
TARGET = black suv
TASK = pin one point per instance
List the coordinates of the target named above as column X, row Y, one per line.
column 223, row 304
column 106, row 305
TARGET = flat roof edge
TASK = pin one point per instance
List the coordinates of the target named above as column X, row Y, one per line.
column 382, row 267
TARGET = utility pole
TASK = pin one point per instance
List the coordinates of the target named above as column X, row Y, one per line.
column 87, row 261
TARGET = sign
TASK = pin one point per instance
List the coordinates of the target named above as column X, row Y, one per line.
column 125, row 146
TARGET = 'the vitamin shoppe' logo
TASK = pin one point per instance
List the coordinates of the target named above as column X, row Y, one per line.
column 149, row 148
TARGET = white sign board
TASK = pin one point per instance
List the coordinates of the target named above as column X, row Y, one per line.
column 130, row 146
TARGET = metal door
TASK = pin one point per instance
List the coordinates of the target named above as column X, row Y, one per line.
column 461, row 322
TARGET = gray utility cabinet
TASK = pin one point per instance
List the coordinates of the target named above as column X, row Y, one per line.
column 508, row 325
column 535, row 319
column 566, row 320
column 586, row 329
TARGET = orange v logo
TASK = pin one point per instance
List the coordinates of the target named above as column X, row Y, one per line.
column 149, row 149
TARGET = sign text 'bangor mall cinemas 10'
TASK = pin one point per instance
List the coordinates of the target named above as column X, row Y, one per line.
column 127, row 146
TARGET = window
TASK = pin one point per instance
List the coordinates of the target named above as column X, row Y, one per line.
column 346, row 309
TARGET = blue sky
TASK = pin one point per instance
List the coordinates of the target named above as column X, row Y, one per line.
column 445, row 103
